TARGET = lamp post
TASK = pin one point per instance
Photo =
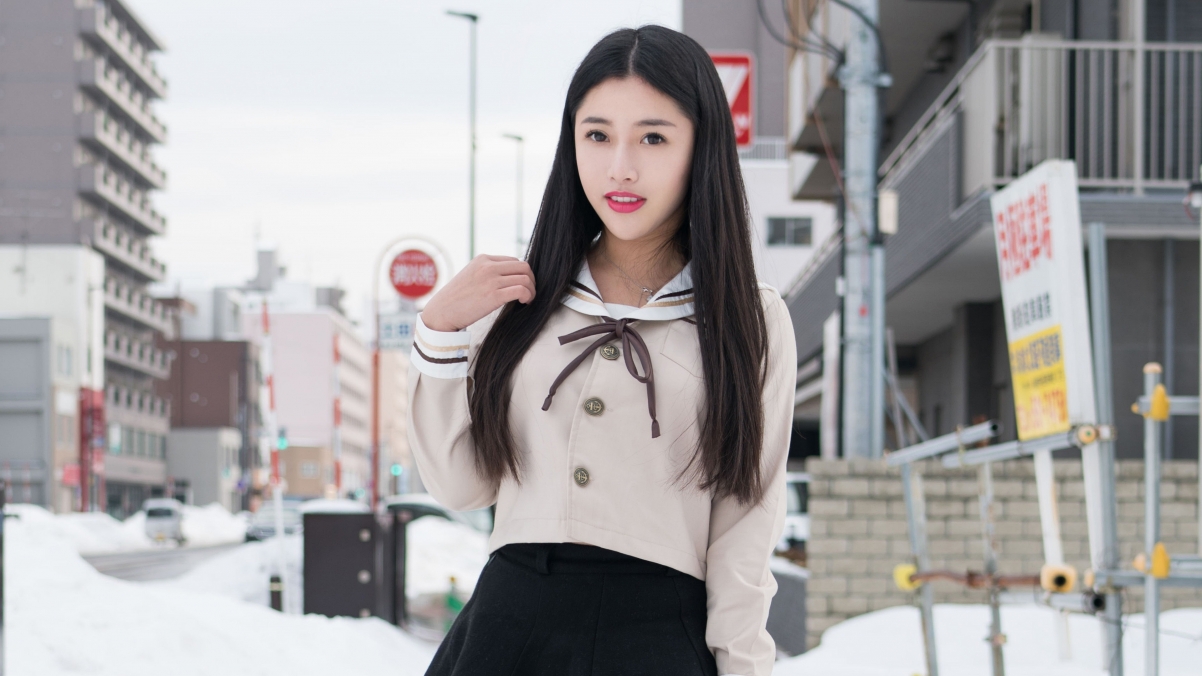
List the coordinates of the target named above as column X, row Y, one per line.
column 471, row 185
column 518, row 233
column 1193, row 201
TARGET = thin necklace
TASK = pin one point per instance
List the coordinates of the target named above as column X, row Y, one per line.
column 646, row 291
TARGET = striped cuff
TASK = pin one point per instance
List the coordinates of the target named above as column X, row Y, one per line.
column 440, row 354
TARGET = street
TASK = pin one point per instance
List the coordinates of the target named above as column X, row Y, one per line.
column 163, row 564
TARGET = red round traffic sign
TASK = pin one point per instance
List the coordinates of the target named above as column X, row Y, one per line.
column 413, row 273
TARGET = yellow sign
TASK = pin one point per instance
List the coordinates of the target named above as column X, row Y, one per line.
column 1040, row 387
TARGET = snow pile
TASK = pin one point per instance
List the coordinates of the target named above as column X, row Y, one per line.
column 334, row 506
column 439, row 549
column 242, row 573
column 64, row 619
column 889, row 643
column 211, row 525
column 92, row 532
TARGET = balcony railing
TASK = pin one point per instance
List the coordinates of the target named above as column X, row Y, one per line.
column 136, row 355
column 1131, row 118
column 137, row 306
column 97, row 23
column 99, row 128
column 100, row 180
column 130, row 251
column 124, row 402
column 96, row 74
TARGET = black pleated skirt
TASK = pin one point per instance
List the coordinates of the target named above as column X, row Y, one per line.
column 568, row 609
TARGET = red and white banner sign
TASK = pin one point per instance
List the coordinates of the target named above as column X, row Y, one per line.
column 736, row 72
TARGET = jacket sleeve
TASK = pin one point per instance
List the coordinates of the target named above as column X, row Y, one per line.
column 739, row 584
column 440, row 368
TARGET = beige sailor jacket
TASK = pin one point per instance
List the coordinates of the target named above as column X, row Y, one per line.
column 594, row 472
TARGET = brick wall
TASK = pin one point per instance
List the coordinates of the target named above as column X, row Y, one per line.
column 858, row 529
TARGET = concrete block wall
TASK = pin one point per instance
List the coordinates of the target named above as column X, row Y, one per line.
column 858, row 529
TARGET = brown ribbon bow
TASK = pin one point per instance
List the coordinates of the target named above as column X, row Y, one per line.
column 632, row 342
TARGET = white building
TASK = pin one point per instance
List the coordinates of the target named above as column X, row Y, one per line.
column 52, row 357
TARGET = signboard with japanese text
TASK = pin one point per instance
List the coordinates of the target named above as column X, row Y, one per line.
column 1037, row 226
column 413, row 273
column 397, row 330
column 736, row 71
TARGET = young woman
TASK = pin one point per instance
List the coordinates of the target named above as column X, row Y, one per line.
column 625, row 397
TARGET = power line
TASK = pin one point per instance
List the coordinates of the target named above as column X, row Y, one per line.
column 805, row 16
column 804, row 45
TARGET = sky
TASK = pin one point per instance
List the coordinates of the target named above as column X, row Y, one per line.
column 329, row 129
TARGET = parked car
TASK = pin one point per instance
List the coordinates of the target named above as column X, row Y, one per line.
column 164, row 519
column 423, row 504
column 262, row 522
column 797, row 517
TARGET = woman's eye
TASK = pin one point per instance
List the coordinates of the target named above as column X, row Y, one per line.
column 653, row 139
column 597, row 136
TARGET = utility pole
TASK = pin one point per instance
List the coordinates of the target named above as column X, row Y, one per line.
column 521, row 244
column 863, row 250
column 471, row 181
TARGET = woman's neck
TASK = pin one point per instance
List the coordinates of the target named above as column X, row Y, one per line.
column 629, row 272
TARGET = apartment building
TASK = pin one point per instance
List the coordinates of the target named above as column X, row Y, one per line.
column 77, row 129
column 322, row 379
column 785, row 230
column 980, row 94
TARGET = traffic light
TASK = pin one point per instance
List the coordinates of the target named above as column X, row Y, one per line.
column 281, row 442
column 397, row 469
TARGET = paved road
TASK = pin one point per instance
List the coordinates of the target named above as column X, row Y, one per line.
column 155, row 564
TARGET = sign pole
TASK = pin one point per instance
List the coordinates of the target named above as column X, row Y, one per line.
column 414, row 274
column 1099, row 315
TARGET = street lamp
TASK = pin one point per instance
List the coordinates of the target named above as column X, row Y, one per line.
column 519, row 140
column 471, row 200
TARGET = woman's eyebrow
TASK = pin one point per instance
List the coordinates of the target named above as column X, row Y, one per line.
column 654, row 122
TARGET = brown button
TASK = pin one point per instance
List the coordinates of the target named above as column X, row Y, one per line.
column 594, row 406
column 580, row 475
column 610, row 352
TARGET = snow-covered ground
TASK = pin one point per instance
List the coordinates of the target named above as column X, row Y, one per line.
column 440, row 549
column 64, row 619
column 99, row 533
column 889, row 643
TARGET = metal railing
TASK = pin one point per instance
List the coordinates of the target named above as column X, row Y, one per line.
column 1130, row 117
column 132, row 251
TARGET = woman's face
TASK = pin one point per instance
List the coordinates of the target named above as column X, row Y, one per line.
column 634, row 148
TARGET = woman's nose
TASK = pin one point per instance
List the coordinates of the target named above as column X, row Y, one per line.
column 622, row 168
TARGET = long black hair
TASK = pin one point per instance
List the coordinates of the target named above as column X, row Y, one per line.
column 714, row 236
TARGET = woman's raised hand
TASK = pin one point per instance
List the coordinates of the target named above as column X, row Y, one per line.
column 487, row 283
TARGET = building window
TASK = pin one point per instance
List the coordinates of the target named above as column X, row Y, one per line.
column 790, row 231
column 308, row 470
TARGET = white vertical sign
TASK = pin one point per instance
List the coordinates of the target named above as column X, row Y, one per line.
column 1037, row 225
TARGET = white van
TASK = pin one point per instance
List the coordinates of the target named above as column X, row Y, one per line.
column 164, row 519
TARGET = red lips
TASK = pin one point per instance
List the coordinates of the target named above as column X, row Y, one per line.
column 624, row 202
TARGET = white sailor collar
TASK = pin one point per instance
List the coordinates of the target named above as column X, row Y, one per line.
column 673, row 301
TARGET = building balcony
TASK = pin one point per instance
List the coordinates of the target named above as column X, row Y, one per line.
column 136, row 306
column 134, row 408
column 99, row 25
column 136, row 355
column 1127, row 116
column 130, row 252
column 103, row 182
column 99, row 76
column 99, row 129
